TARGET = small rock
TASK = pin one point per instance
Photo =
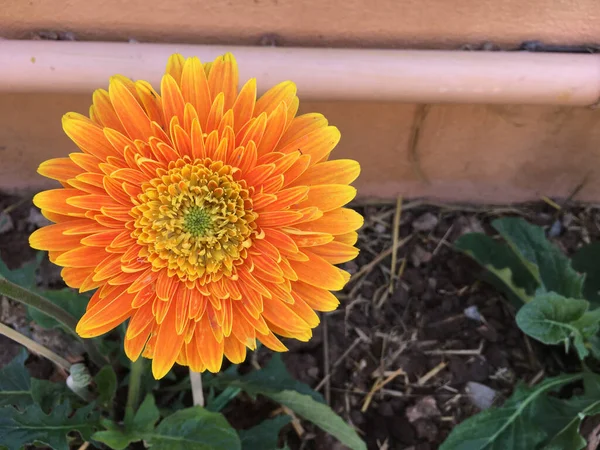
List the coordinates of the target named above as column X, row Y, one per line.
column 419, row 256
column 472, row 312
column 488, row 333
column 36, row 218
column 380, row 228
column 426, row 222
column 470, row 224
column 555, row 229
column 480, row 395
column 432, row 283
column 424, row 409
column 6, row 223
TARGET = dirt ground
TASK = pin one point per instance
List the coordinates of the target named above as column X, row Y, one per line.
column 419, row 342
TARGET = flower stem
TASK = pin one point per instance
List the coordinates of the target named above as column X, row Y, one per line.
column 35, row 347
column 26, row 297
column 133, row 393
column 196, row 382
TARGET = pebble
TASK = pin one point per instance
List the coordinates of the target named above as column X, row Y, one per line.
column 426, row 222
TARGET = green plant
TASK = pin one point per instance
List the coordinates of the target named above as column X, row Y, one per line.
column 557, row 302
column 85, row 408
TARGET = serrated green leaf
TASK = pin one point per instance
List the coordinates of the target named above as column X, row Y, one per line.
column 585, row 260
column 265, row 435
column 106, row 384
column 512, row 426
column 142, row 425
column 508, row 273
column 194, row 429
column 48, row 394
column 15, row 385
column 569, row 438
column 275, row 383
column 146, row 416
column 553, row 319
column 546, row 263
column 24, row 276
column 34, row 426
column 115, row 439
column 321, row 415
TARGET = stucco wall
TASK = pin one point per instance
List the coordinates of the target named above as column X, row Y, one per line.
column 464, row 153
column 373, row 23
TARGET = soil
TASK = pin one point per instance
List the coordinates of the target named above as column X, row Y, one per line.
column 405, row 357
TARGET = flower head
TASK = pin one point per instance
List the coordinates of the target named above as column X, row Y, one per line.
column 207, row 218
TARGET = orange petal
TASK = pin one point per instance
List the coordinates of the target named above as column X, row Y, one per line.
column 55, row 201
column 224, row 77
column 134, row 347
column 82, row 257
column 309, row 238
column 304, row 311
column 317, row 144
column 151, row 101
column 168, row 345
column 243, row 108
column 319, row 273
column 280, row 314
column 194, row 88
column 317, row 298
column 336, row 222
column 207, row 346
column 274, row 130
column 172, row 100
column 103, row 314
column 336, row 252
column 234, row 350
column 142, row 319
column 297, row 169
column 347, row 238
column 303, row 125
column 215, row 114
column 175, row 66
column 193, row 356
column 60, row 169
column 75, row 277
column 278, row 218
column 270, row 341
column 182, row 302
column 51, row 238
column 104, row 111
column 270, row 100
column 340, row 171
column 130, row 112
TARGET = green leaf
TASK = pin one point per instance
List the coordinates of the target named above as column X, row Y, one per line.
column 48, row 394
column 15, row 385
column 194, row 429
column 34, row 426
column 546, row 263
column 24, row 276
column 513, row 426
column 276, row 383
column 586, row 260
column 508, row 274
column 274, row 377
column 106, row 383
column 265, row 435
column 569, row 438
column 69, row 300
column 551, row 318
column 219, row 402
column 321, row 415
column 143, row 423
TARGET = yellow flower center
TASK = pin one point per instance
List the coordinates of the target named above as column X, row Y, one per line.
column 195, row 219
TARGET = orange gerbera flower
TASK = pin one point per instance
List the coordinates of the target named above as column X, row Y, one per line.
column 207, row 218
